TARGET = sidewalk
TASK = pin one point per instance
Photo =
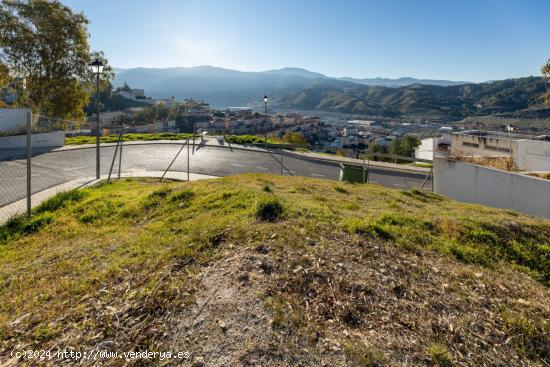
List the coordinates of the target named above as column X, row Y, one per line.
column 20, row 207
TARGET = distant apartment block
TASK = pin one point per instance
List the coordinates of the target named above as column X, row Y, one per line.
column 530, row 153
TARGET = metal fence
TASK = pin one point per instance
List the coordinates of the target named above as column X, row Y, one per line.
column 35, row 162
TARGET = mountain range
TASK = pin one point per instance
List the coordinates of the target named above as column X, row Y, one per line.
column 300, row 89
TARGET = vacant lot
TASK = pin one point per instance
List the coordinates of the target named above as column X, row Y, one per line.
column 268, row 270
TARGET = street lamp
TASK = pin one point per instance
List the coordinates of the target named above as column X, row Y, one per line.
column 97, row 68
column 265, row 121
column 510, row 128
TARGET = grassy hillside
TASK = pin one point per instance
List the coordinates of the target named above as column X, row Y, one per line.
column 269, row 270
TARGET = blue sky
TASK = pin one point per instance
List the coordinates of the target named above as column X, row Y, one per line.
column 472, row 40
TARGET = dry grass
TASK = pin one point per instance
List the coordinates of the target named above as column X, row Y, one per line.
column 546, row 176
column 502, row 163
column 339, row 274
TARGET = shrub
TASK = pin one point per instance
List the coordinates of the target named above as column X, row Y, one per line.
column 269, row 210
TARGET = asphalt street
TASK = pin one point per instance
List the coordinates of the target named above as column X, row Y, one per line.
column 53, row 168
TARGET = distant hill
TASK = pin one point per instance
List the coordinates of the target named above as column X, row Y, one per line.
column 225, row 87
column 300, row 89
column 401, row 82
column 452, row 102
column 296, row 72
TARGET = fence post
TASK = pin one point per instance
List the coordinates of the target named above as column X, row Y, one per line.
column 188, row 157
column 368, row 168
column 281, row 152
column 120, row 153
column 29, row 162
column 364, row 179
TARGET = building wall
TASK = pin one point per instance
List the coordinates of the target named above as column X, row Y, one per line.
column 500, row 189
column 533, row 155
column 425, row 150
column 13, row 120
column 45, row 140
column 481, row 146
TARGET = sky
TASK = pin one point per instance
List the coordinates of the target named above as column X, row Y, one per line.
column 467, row 40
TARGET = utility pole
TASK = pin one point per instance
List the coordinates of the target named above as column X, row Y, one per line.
column 510, row 129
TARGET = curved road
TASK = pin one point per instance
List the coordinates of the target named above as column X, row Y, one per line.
column 55, row 167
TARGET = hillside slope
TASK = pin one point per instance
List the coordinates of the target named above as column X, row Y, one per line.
column 260, row 270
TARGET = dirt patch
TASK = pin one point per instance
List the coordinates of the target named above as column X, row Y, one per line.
column 228, row 325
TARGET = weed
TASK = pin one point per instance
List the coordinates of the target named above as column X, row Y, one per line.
column 182, row 197
column 340, row 189
column 367, row 228
column 22, row 225
column 362, row 356
column 60, row 200
column 530, row 338
column 269, row 209
column 440, row 354
column 98, row 211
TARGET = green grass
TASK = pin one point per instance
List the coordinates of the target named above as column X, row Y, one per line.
column 78, row 140
column 233, row 139
column 440, row 354
column 252, row 139
column 137, row 245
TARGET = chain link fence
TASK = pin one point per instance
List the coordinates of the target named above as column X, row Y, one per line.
column 35, row 161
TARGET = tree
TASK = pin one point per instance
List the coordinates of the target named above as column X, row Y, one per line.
column 4, row 75
column 294, row 138
column 404, row 146
column 45, row 42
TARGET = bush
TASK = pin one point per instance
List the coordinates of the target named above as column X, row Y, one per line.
column 269, row 210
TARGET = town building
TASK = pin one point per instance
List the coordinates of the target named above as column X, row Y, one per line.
column 531, row 153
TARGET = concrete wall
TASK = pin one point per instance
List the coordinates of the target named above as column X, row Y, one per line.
column 46, row 140
column 13, row 120
column 533, row 155
column 476, row 184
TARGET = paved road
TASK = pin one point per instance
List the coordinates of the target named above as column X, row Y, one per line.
column 56, row 167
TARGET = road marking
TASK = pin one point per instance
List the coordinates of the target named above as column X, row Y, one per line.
column 262, row 168
column 399, row 185
column 237, row 165
column 316, row 175
column 371, row 181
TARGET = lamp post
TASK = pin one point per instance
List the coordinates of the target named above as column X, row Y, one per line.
column 510, row 128
column 265, row 121
column 97, row 68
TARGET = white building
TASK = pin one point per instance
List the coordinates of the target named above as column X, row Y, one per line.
column 425, row 150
